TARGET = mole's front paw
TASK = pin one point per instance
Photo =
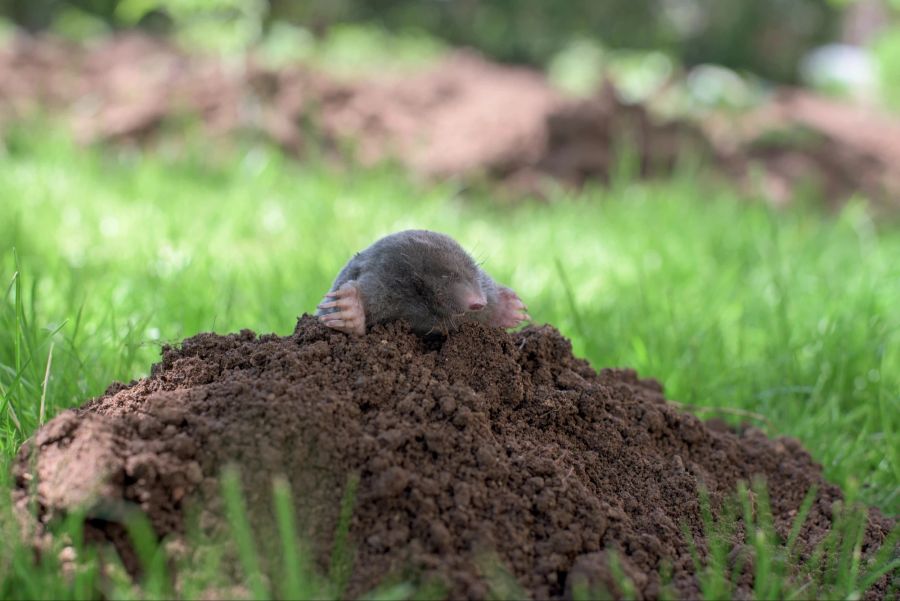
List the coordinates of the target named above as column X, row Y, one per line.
column 345, row 311
column 510, row 311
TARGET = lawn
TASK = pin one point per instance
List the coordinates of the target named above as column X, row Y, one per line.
column 788, row 319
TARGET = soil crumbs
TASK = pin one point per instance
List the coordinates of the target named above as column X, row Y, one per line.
column 482, row 444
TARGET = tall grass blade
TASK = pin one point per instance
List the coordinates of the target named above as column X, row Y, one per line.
column 42, row 411
column 800, row 519
column 341, row 555
column 151, row 554
column 242, row 535
column 570, row 297
column 294, row 567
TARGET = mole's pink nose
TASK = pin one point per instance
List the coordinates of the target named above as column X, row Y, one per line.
column 474, row 300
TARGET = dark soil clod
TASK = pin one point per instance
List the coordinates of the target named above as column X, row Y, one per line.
column 486, row 443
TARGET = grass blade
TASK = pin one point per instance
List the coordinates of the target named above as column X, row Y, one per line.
column 341, row 556
column 294, row 568
column 41, row 411
column 236, row 512
column 570, row 298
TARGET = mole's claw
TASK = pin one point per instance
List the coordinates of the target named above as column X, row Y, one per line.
column 345, row 313
column 510, row 311
column 340, row 325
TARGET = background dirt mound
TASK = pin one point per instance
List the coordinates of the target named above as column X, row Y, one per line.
column 464, row 117
column 800, row 139
column 483, row 442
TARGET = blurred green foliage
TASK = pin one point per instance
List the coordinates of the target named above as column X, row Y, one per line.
column 886, row 50
column 348, row 48
column 767, row 37
column 730, row 49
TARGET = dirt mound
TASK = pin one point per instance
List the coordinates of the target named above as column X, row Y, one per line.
column 483, row 442
column 801, row 139
column 462, row 117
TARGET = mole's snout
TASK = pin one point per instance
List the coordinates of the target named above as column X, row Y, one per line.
column 475, row 301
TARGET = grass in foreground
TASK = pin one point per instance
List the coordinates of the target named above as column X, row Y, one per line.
column 790, row 316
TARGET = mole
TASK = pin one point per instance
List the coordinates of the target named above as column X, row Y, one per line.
column 423, row 277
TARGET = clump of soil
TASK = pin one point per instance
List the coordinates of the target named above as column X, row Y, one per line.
column 485, row 442
column 462, row 117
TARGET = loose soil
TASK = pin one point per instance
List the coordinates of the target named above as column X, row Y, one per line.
column 483, row 444
column 462, row 117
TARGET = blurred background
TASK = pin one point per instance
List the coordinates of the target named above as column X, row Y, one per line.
column 845, row 46
column 779, row 40
column 704, row 190
column 779, row 96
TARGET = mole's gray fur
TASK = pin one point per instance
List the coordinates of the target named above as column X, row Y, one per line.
column 424, row 278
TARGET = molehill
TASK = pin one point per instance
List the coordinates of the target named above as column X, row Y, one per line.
column 482, row 443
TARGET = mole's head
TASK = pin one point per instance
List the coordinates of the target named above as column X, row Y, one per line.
column 444, row 276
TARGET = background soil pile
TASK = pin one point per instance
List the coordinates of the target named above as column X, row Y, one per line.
column 461, row 117
column 483, row 441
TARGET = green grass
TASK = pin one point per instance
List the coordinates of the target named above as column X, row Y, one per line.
column 793, row 316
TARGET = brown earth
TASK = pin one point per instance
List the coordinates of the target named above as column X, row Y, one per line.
column 800, row 139
column 485, row 442
column 462, row 117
